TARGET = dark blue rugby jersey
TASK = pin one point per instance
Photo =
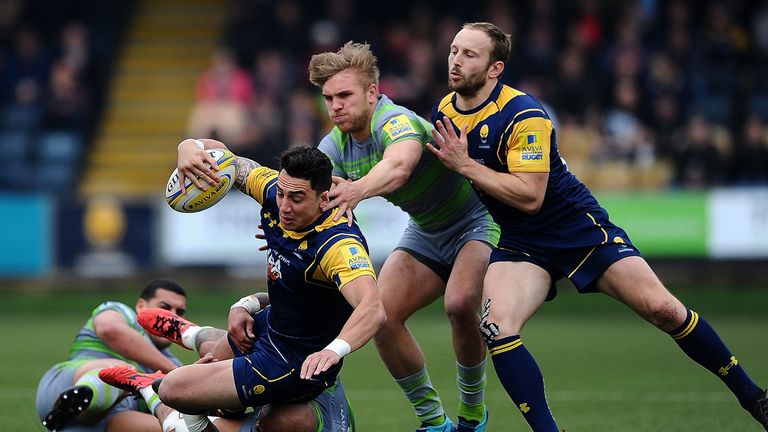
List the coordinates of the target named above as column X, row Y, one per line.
column 306, row 270
column 511, row 132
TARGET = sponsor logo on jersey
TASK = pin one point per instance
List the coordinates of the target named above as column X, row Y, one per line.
column 272, row 222
column 273, row 267
column 398, row 126
column 355, row 258
column 531, row 150
column 484, row 133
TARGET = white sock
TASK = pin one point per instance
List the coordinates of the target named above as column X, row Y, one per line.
column 174, row 422
column 197, row 422
column 104, row 395
column 189, row 337
column 152, row 399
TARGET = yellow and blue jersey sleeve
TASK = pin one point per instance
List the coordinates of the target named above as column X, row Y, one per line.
column 345, row 261
column 528, row 145
column 259, row 181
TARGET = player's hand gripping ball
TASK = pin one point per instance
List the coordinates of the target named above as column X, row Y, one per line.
column 195, row 200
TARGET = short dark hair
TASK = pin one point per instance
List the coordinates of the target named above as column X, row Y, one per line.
column 502, row 42
column 152, row 286
column 309, row 163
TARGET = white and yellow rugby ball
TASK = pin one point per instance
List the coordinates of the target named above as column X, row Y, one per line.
column 194, row 199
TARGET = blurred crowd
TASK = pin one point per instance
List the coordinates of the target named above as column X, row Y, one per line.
column 644, row 93
column 675, row 91
column 54, row 64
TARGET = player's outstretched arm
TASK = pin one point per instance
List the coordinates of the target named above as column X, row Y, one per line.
column 362, row 325
column 111, row 327
column 387, row 176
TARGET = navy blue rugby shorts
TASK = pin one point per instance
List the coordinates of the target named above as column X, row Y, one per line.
column 269, row 372
column 580, row 250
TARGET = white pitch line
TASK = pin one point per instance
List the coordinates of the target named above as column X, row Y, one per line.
column 579, row 395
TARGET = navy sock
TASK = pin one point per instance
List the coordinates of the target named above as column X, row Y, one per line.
column 702, row 344
column 521, row 378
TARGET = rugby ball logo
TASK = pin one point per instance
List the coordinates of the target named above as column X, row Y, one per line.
column 194, row 199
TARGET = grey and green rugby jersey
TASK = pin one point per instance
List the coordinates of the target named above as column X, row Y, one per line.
column 88, row 345
column 433, row 196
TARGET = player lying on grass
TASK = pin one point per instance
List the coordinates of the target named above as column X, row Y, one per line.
column 322, row 290
column 328, row 412
column 70, row 396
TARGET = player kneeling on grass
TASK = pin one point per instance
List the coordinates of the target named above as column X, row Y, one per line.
column 322, row 289
column 70, row 395
column 328, row 412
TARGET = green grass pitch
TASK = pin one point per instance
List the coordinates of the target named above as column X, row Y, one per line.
column 605, row 369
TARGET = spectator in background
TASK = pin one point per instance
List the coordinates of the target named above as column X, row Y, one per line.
column 664, row 123
column 74, row 49
column 573, row 91
column 587, row 31
column 697, row 160
column 663, row 78
column 303, row 118
column 224, row 95
column 29, row 60
column 265, row 134
column 23, row 113
column 750, row 159
column 760, row 28
column 67, row 103
column 626, row 137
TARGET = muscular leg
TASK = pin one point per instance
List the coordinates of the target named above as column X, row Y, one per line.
column 275, row 418
column 462, row 301
column 133, row 421
column 632, row 282
column 288, row 418
column 512, row 293
column 462, row 305
column 406, row 285
column 199, row 387
column 208, row 341
column 73, row 392
column 104, row 395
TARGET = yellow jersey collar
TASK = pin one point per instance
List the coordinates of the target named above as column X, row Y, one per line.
column 324, row 222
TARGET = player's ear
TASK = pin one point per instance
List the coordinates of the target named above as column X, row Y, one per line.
column 373, row 92
column 140, row 304
column 324, row 199
column 495, row 69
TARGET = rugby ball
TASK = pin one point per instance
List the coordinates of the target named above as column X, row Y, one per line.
column 194, row 199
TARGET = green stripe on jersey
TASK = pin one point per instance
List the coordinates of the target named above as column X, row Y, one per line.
column 447, row 212
column 419, row 184
column 363, row 164
column 339, row 138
